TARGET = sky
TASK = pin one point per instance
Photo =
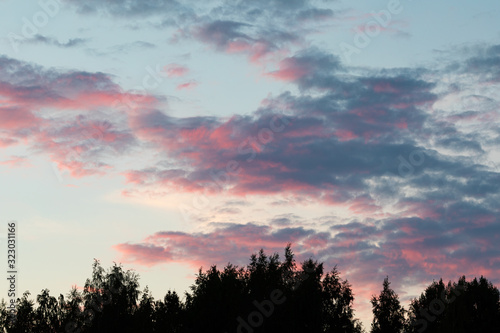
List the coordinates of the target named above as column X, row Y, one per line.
column 177, row 134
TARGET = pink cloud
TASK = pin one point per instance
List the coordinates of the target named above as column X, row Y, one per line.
column 32, row 95
column 257, row 51
column 16, row 161
column 291, row 69
column 237, row 240
column 187, row 85
column 364, row 205
column 262, row 161
column 345, row 135
column 17, row 118
column 175, row 70
column 147, row 255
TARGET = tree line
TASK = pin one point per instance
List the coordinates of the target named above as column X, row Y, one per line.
column 268, row 295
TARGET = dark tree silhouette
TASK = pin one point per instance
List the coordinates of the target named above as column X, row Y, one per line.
column 215, row 300
column 110, row 299
column 25, row 317
column 337, row 305
column 388, row 314
column 144, row 316
column 4, row 316
column 271, row 296
column 48, row 315
column 72, row 315
column 432, row 299
column 459, row 307
column 266, row 296
column 264, row 276
column 306, row 297
column 170, row 314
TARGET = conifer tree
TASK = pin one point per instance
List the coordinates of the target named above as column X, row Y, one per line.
column 388, row 314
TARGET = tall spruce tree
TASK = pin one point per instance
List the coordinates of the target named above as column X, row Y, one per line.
column 388, row 314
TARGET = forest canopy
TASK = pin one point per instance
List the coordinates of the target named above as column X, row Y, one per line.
column 268, row 295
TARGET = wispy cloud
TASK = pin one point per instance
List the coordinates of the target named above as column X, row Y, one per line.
column 40, row 39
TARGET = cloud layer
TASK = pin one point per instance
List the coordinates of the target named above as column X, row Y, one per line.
column 410, row 153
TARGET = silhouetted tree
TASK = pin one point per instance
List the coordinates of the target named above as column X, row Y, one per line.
column 337, row 305
column 4, row 316
column 215, row 300
column 25, row 316
column 110, row 300
column 388, row 314
column 459, row 307
column 266, row 296
column 170, row 314
column 48, row 314
column 271, row 296
column 265, row 275
column 72, row 314
column 305, row 302
column 482, row 299
column 144, row 318
column 432, row 299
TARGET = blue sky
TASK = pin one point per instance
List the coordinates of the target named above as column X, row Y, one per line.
column 169, row 135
